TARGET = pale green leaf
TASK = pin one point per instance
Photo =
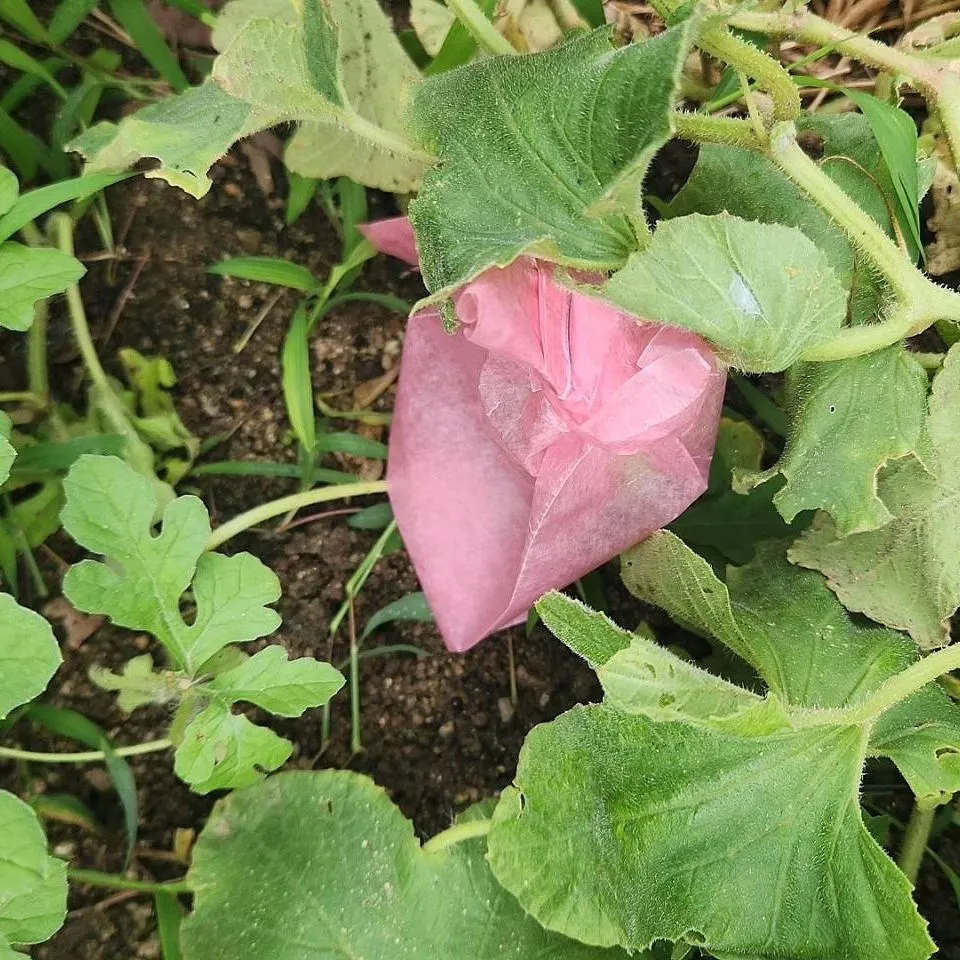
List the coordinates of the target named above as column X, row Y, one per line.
column 378, row 76
column 906, row 574
column 29, row 654
column 9, row 189
column 33, row 885
column 643, row 677
column 761, row 293
column 621, row 830
column 273, row 70
column 7, row 453
column 283, row 687
column 787, row 624
column 326, row 866
column 525, row 170
column 137, row 684
column 29, row 274
column 237, row 13
column 837, row 442
column 225, row 751
column 110, row 510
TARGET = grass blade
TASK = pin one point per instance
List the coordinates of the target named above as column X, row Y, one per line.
column 297, row 382
column 75, row 726
column 412, row 607
column 377, row 517
column 169, row 918
column 18, row 59
column 59, row 456
column 18, row 14
column 351, row 444
column 281, row 273
column 300, row 196
column 134, row 17
column 70, row 14
column 458, row 46
column 37, row 202
column 263, row 468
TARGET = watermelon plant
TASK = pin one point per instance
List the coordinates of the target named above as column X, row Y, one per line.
column 560, row 398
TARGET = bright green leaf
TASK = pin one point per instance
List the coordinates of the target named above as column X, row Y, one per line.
column 525, row 170
column 283, row 273
column 285, row 688
column 412, row 607
column 29, row 654
column 33, row 885
column 110, row 510
column 622, row 830
column 225, row 751
column 9, row 189
column 789, row 626
column 327, row 866
column 272, row 71
column 7, row 453
column 838, row 443
column 29, row 274
column 761, row 293
column 906, row 574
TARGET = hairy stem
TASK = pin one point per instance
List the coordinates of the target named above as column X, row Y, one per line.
column 90, row 756
column 768, row 74
column 111, row 881
column 915, row 841
column 457, row 834
column 480, row 28
column 296, row 501
column 934, row 80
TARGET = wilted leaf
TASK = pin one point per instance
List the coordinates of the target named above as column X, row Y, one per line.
column 907, row 573
column 29, row 274
column 326, row 865
column 274, row 70
column 499, row 121
column 137, row 684
column 761, row 293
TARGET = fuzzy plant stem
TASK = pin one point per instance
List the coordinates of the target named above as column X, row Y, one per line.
column 457, row 834
column 296, row 501
column 915, row 841
column 90, row 756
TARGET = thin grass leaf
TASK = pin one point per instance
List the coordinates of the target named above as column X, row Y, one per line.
column 765, row 409
column 412, row 607
column 388, row 300
column 66, row 808
column 55, row 456
column 169, row 919
column 263, row 468
column 24, row 150
column 69, row 15
column 37, row 202
column 297, row 383
column 353, row 212
column 134, row 17
column 377, row 517
column 18, row 59
column 18, row 14
column 75, row 726
column 281, row 273
column 352, row 444
column 591, row 11
column 195, row 9
column 459, row 46
column 27, row 84
column 300, row 196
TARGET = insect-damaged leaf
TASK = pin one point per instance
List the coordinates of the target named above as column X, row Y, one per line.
column 275, row 69
column 524, row 170
column 326, row 865
column 907, row 573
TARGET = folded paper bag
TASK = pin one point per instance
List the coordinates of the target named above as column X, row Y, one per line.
column 546, row 436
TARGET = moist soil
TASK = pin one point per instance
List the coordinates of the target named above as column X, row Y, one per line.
column 440, row 731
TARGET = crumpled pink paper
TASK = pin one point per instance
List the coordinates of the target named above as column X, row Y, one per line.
column 545, row 437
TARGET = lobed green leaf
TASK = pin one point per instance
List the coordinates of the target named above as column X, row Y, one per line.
column 326, row 865
column 30, row 274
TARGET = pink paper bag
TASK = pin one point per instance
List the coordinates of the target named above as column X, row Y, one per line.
column 545, row 437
